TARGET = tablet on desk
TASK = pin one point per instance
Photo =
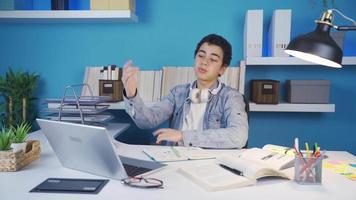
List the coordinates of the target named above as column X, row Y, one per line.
column 73, row 186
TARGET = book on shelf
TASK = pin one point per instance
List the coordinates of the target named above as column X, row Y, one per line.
column 122, row 5
column 279, row 33
column 177, row 153
column 145, row 84
column 60, row 4
column 157, row 85
column 169, row 79
column 241, row 169
column 91, row 77
column 253, row 33
column 99, row 5
column 231, row 77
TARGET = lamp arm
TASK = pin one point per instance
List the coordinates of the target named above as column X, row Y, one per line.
column 344, row 16
column 345, row 28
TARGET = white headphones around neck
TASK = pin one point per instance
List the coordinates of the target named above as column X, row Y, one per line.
column 202, row 95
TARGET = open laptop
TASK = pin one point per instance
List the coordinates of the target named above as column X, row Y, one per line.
column 89, row 149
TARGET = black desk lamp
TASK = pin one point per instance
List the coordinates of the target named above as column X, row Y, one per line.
column 318, row 46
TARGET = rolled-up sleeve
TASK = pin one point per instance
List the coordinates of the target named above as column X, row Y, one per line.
column 147, row 117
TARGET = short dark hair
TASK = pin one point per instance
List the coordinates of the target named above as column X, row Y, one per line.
column 218, row 41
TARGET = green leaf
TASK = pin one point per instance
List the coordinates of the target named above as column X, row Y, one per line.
column 18, row 85
column 21, row 132
column 6, row 139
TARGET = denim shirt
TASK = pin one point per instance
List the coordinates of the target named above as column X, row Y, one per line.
column 225, row 123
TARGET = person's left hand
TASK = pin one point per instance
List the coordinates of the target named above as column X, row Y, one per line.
column 168, row 134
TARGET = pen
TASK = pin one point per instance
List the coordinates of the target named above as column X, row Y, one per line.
column 147, row 154
column 307, row 148
column 175, row 151
column 296, row 144
column 232, row 170
column 311, row 165
column 315, row 149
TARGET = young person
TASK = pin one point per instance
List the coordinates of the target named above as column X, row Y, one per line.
column 205, row 113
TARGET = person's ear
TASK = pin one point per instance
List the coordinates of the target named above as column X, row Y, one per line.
column 222, row 70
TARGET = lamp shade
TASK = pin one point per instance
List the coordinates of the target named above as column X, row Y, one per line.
column 317, row 47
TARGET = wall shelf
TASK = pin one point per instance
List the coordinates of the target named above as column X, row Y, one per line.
column 348, row 60
column 281, row 107
column 67, row 15
column 288, row 107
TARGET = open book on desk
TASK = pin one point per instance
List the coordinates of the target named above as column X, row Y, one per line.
column 242, row 169
column 177, row 153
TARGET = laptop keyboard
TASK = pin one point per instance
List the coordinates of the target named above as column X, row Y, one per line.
column 134, row 170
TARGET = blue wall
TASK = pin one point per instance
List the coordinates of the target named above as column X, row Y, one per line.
column 166, row 34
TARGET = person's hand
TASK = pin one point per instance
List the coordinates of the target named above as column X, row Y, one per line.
column 168, row 134
column 129, row 78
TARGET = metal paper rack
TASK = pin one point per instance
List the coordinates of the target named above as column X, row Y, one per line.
column 78, row 108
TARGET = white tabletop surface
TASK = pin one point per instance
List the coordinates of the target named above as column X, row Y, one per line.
column 15, row 185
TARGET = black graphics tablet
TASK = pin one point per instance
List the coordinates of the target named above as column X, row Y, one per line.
column 66, row 185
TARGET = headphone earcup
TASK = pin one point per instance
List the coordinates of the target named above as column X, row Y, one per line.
column 205, row 95
column 195, row 95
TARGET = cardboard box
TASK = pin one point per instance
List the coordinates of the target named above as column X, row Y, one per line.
column 265, row 91
column 308, row 91
column 112, row 88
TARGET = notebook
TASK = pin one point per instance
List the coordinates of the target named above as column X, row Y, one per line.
column 177, row 153
column 89, row 149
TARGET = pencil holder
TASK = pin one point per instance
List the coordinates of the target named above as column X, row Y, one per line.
column 308, row 170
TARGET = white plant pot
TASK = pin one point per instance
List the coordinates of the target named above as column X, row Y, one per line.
column 19, row 146
column 7, row 151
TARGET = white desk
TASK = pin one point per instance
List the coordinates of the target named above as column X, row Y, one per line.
column 15, row 185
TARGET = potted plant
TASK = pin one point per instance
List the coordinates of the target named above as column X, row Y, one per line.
column 16, row 100
column 20, row 133
column 6, row 138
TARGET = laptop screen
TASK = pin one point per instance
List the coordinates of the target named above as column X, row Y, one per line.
column 86, row 148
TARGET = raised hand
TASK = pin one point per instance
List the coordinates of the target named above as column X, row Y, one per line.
column 129, row 78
